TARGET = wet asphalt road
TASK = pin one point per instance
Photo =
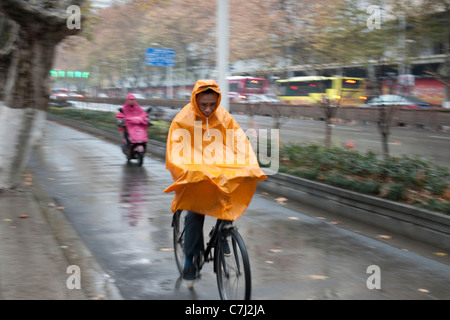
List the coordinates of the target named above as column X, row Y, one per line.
column 124, row 218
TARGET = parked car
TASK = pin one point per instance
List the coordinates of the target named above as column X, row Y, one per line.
column 139, row 96
column 75, row 94
column 234, row 96
column 397, row 100
column 59, row 98
column 60, row 93
column 268, row 98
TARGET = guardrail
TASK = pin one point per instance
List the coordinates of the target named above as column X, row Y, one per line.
column 431, row 118
column 426, row 226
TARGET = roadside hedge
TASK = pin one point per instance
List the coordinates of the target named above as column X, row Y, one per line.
column 104, row 119
column 412, row 180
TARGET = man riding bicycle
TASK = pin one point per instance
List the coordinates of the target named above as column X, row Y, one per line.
column 213, row 165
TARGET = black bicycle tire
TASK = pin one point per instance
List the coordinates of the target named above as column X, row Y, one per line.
column 177, row 226
column 219, row 256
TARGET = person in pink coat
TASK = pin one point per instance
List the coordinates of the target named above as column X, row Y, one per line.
column 135, row 120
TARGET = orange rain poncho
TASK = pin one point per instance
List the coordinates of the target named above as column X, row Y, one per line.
column 211, row 161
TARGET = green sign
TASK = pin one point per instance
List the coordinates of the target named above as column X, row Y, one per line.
column 69, row 74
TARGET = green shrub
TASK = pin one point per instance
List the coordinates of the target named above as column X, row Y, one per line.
column 396, row 192
column 368, row 187
column 338, row 180
column 307, row 174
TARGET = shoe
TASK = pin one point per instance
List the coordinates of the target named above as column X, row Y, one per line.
column 226, row 248
column 189, row 277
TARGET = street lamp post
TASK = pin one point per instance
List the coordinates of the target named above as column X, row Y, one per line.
column 222, row 50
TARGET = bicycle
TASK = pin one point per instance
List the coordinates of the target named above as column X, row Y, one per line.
column 232, row 269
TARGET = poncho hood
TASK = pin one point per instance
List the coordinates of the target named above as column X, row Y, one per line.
column 201, row 86
column 213, row 165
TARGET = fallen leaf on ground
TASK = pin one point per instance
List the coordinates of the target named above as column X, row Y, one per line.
column 23, row 216
column 7, row 220
column 440, row 254
column 293, row 218
column 275, row 250
column 384, row 236
column 335, row 222
column 166, row 249
column 60, row 208
column 281, row 200
column 423, row 290
column 51, row 204
column 321, row 218
column 269, row 262
column 317, row 277
column 264, row 193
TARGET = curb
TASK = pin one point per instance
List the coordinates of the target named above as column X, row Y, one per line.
column 419, row 224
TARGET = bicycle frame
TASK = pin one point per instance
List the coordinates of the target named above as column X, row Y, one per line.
column 213, row 239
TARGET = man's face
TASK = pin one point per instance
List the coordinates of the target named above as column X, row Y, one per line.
column 131, row 102
column 207, row 103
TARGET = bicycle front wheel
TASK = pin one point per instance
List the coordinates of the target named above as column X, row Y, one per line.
column 232, row 266
column 178, row 238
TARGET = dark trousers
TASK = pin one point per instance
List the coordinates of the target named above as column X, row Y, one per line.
column 193, row 235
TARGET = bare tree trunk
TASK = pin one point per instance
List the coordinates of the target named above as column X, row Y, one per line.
column 328, row 126
column 9, row 31
column 27, row 85
column 384, row 126
column 26, row 91
column 5, row 61
column 385, row 144
column 22, row 115
column 330, row 111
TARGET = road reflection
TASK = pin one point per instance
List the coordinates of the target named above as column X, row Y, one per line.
column 133, row 194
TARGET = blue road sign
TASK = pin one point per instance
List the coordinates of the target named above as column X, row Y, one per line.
column 160, row 57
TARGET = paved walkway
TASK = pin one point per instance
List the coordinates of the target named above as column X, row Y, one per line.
column 33, row 264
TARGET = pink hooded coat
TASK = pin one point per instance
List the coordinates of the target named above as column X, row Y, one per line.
column 136, row 121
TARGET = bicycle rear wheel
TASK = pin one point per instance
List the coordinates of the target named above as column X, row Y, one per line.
column 233, row 269
column 178, row 238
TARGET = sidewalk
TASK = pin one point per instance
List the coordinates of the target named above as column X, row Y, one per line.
column 37, row 245
column 32, row 262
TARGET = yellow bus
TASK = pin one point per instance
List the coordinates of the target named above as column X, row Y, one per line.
column 311, row 90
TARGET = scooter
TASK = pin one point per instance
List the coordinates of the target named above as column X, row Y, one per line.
column 134, row 143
